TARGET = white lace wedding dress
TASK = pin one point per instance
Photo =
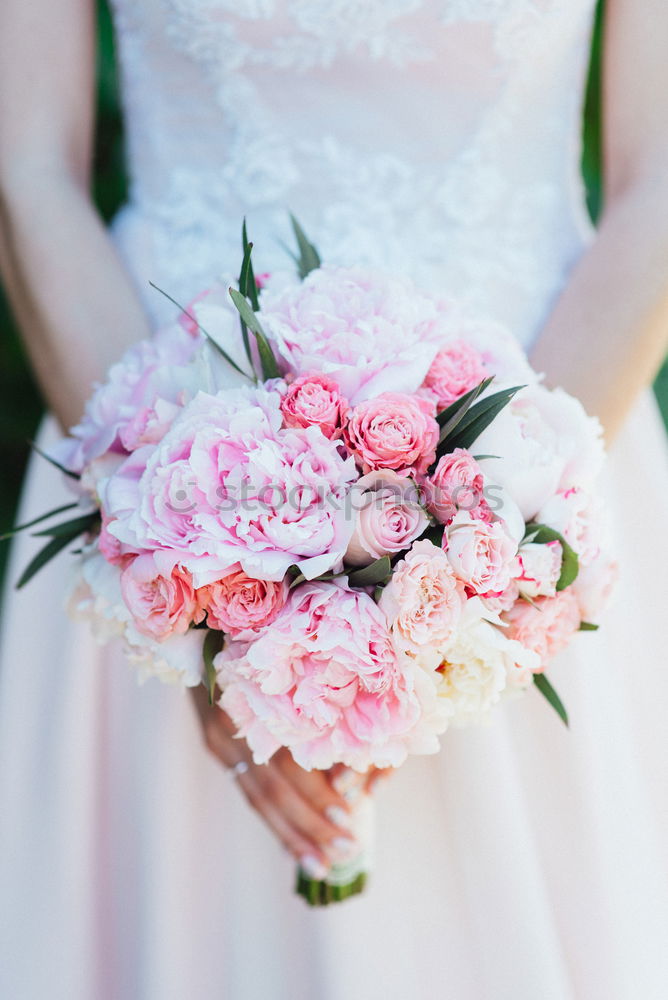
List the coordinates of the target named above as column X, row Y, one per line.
column 525, row 862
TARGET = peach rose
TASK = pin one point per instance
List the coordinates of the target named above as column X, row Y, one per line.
column 160, row 605
column 482, row 555
column 239, row 604
column 389, row 517
column 393, row 431
column 315, row 400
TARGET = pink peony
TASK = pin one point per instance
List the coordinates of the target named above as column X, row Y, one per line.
column 455, row 370
column 160, row 605
column 546, row 626
column 371, row 332
column 324, row 681
column 229, row 484
column 540, row 569
column 389, row 517
column 239, row 604
column 393, row 431
column 424, row 599
column 150, row 382
column 482, row 555
column 456, row 483
column 315, row 400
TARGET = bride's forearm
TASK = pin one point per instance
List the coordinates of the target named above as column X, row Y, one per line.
column 608, row 332
column 73, row 300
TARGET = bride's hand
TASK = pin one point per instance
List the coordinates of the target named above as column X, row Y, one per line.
column 303, row 808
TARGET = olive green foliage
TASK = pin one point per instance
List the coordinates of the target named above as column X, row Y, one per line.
column 20, row 408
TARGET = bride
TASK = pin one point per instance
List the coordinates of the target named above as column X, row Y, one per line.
column 438, row 137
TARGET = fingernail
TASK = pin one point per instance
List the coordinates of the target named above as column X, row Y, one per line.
column 346, row 781
column 343, row 848
column 312, row 867
column 338, row 816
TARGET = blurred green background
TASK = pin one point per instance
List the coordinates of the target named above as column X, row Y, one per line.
column 20, row 407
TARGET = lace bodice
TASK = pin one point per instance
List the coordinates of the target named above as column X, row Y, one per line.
column 439, row 137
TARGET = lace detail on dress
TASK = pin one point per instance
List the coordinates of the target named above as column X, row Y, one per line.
column 432, row 136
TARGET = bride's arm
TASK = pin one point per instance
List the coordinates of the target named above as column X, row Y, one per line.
column 608, row 332
column 73, row 300
column 77, row 310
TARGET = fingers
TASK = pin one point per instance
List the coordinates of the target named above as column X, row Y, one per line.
column 375, row 776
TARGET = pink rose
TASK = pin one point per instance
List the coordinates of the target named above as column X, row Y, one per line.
column 594, row 586
column 393, row 431
column 160, row 605
column 540, row 569
column 424, row 599
column 315, row 400
column 239, row 604
column 323, row 680
column 456, row 484
column 389, row 517
column 455, row 370
column 482, row 555
column 546, row 626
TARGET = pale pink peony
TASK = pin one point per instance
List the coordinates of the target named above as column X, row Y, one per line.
column 315, row 400
column 579, row 517
column 371, row 332
column 424, row 599
column 546, row 626
column 393, row 431
column 389, row 516
column 160, row 605
column 482, row 555
column 149, row 372
column 540, row 569
column 456, row 483
column 239, row 604
column 594, row 586
column 323, row 680
column 229, row 484
column 455, row 370
column 543, row 439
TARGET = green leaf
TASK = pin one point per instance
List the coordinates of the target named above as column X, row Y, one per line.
column 45, row 555
column 369, row 576
column 588, row 627
column 245, row 277
column 208, row 336
column 213, row 643
column 548, row 692
column 247, row 283
column 37, row 520
column 267, row 359
column 71, row 529
column 448, row 418
column 52, row 461
column 309, row 258
column 478, row 418
column 570, row 564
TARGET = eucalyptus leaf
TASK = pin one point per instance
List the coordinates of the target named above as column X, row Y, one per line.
column 548, row 692
column 213, row 643
column 371, row 575
column 208, row 336
column 45, row 555
column 71, row 529
column 588, row 627
column 268, row 361
column 37, row 520
column 249, row 288
column 309, row 258
column 448, row 418
column 54, row 462
column 541, row 534
column 477, row 419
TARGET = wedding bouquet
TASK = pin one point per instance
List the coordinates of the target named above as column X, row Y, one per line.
column 343, row 502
